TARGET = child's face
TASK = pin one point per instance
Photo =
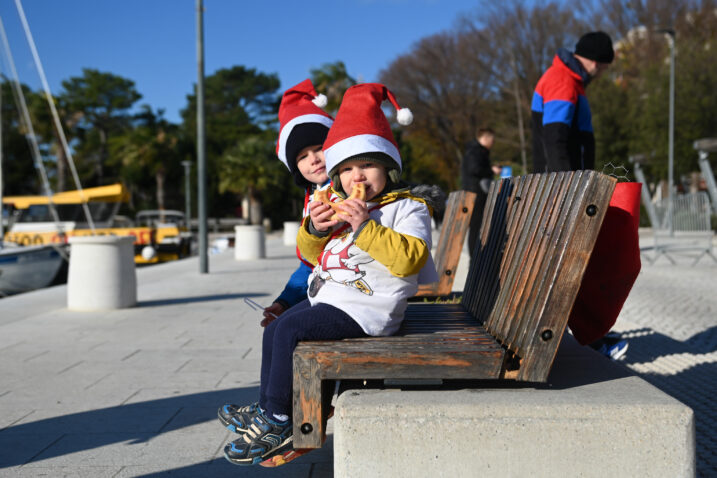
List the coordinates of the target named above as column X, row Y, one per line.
column 312, row 165
column 372, row 175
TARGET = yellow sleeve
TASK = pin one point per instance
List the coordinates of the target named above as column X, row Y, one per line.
column 402, row 254
column 310, row 246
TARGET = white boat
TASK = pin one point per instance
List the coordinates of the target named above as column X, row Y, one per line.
column 26, row 268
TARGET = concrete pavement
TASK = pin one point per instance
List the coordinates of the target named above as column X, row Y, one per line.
column 134, row 392
column 670, row 321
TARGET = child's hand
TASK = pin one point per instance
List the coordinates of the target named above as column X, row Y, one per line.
column 354, row 212
column 321, row 216
column 271, row 313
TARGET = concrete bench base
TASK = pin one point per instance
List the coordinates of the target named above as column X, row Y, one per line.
column 591, row 419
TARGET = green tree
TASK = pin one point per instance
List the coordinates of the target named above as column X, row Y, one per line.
column 332, row 80
column 154, row 149
column 631, row 103
column 250, row 169
column 239, row 102
column 99, row 104
column 19, row 175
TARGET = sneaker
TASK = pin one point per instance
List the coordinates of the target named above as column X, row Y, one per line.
column 264, row 438
column 611, row 346
column 237, row 419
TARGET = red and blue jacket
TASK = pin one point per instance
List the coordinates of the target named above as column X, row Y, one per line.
column 563, row 137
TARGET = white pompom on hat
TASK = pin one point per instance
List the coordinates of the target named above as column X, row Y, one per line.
column 321, row 101
column 300, row 105
column 361, row 126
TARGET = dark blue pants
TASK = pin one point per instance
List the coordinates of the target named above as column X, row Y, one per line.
column 301, row 322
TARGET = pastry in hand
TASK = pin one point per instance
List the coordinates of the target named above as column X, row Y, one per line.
column 358, row 191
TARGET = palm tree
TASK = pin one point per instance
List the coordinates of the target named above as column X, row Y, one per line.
column 152, row 147
column 250, row 168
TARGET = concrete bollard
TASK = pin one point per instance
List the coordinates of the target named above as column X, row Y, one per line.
column 291, row 229
column 249, row 243
column 101, row 274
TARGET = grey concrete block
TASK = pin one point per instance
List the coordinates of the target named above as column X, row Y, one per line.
column 581, row 423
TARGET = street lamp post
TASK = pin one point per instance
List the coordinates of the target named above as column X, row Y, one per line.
column 201, row 146
column 671, row 131
column 187, row 193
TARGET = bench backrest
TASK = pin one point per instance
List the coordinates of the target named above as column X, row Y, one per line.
column 537, row 235
column 456, row 222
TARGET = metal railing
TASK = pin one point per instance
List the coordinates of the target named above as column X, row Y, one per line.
column 691, row 230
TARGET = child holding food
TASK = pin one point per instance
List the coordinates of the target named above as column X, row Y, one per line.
column 366, row 260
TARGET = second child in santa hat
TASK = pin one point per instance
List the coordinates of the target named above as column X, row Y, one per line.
column 303, row 127
column 367, row 262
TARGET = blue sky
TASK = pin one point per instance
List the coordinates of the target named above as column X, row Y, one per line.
column 153, row 42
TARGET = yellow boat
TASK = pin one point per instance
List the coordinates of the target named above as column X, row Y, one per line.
column 161, row 236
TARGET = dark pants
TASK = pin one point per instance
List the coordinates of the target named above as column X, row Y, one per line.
column 476, row 220
column 301, row 322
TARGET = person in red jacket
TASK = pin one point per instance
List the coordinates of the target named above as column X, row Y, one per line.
column 562, row 123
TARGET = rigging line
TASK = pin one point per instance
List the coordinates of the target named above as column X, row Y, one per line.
column 2, row 215
column 55, row 115
column 32, row 139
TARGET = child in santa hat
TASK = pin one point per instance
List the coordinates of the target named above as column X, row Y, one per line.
column 303, row 127
column 367, row 263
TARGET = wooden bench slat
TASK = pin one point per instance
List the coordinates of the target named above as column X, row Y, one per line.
column 525, row 262
column 516, row 259
column 486, row 258
column 538, row 353
column 544, row 264
column 456, row 222
column 406, row 361
column 506, row 235
column 443, row 339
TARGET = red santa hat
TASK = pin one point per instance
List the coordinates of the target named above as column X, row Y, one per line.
column 302, row 122
column 361, row 126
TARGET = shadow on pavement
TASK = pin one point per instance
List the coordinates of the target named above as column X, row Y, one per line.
column 188, row 300
column 134, row 422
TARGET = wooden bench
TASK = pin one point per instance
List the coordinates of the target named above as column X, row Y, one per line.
column 456, row 222
column 537, row 235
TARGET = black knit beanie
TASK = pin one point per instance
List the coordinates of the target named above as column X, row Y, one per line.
column 392, row 171
column 596, row 46
column 303, row 135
